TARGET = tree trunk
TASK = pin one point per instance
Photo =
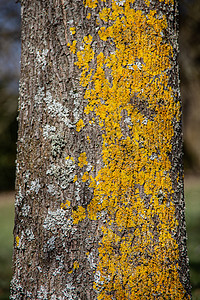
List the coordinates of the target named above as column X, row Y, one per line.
column 99, row 203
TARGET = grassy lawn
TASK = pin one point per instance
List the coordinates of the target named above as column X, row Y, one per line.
column 192, row 196
column 6, row 242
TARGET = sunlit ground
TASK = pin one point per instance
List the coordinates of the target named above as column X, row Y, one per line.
column 192, row 195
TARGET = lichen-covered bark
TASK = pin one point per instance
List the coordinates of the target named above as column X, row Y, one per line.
column 99, row 203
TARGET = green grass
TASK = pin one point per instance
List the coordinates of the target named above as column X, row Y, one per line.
column 192, row 196
column 6, row 242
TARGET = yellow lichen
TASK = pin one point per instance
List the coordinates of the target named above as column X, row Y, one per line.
column 78, row 215
column 17, row 239
column 71, row 158
column 75, row 178
column 104, row 14
column 85, row 177
column 73, row 30
column 147, row 2
column 87, row 39
column 82, row 160
column 76, row 264
column 88, row 16
column 92, row 182
column 167, row 1
column 65, row 205
column 72, row 47
column 79, row 125
column 88, row 138
column 90, row 3
column 134, row 186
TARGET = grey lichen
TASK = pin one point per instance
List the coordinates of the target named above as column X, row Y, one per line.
column 16, row 289
column 92, row 260
column 29, row 234
column 50, row 245
column 42, row 293
column 89, row 167
column 77, row 105
column 57, row 145
column 55, row 109
column 26, row 176
column 38, row 99
column 35, row 186
column 120, row 2
column 77, row 191
column 64, row 173
column 69, row 293
column 25, row 210
column 60, row 260
column 51, row 189
column 41, row 57
column 19, row 197
column 58, row 222
column 22, row 240
column 17, row 167
column 48, row 131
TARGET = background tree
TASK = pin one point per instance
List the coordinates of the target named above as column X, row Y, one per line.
column 99, row 205
column 189, row 58
column 9, row 76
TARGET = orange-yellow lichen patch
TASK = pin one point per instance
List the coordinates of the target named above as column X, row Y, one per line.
column 79, row 125
column 90, row 3
column 75, row 178
column 88, row 16
column 76, row 264
column 104, row 14
column 88, row 138
column 87, row 39
column 78, row 215
column 84, row 57
column 72, row 47
column 17, row 239
column 82, row 160
column 168, row 2
column 129, row 88
column 71, row 158
column 73, row 30
column 92, row 182
column 147, row 2
column 65, row 205
column 85, row 177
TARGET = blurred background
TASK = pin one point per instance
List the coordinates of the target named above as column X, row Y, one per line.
column 189, row 60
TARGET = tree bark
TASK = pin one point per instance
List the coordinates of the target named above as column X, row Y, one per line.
column 99, row 186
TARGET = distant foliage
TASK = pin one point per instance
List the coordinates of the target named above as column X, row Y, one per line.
column 9, row 76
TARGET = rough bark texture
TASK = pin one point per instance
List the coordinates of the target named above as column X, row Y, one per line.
column 99, row 202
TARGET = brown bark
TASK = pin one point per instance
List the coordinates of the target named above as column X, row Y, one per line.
column 64, row 216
